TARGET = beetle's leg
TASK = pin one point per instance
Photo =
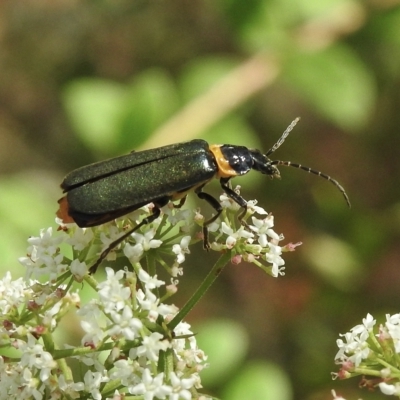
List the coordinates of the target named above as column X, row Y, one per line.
column 236, row 198
column 115, row 243
column 181, row 202
column 217, row 207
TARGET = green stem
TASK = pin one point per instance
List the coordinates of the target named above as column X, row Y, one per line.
column 91, row 281
column 208, row 281
column 66, row 370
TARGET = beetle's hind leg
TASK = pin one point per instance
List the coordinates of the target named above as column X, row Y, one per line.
column 214, row 203
column 115, row 243
column 182, row 201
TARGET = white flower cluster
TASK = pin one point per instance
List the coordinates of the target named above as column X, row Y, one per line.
column 355, row 348
column 125, row 328
column 132, row 341
column 116, row 315
column 372, row 354
column 256, row 242
column 119, row 316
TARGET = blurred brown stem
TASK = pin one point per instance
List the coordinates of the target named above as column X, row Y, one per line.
column 205, row 110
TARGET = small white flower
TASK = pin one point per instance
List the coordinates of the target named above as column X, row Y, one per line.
column 180, row 387
column 92, row 323
column 151, row 303
column 233, row 236
column 176, row 215
column 391, row 390
column 176, row 270
column 338, row 397
column 150, row 347
column 93, row 360
column 253, row 208
column 262, row 227
column 151, row 387
column 124, row 324
column 48, row 317
column 144, row 243
column 393, row 329
column 113, row 294
column 227, row 201
column 78, row 269
column 133, row 252
column 29, row 387
column 274, row 257
column 354, row 348
column 81, row 238
column 92, row 381
column 214, row 226
column 182, row 329
column 45, row 363
column 127, row 371
column 181, row 249
column 34, row 356
column 12, row 293
column 46, row 244
column 146, row 240
column 70, row 388
column 113, row 233
column 369, row 322
column 150, row 282
column 43, row 255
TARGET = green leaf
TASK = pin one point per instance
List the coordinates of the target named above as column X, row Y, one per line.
column 152, row 99
column 274, row 22
column 94, row 107
column 334, row 260
column 225, row 343
column 382, row 40
column 335, row 82
column 25, row 207
column 203, row 73
column 259, row 380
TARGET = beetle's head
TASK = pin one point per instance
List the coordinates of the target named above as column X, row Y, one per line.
column 263, row 164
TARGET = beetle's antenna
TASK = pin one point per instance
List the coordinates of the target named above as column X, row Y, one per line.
column 313, row 171
column 283, row 137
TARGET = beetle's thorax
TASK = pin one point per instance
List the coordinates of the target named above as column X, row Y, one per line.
column 231, row 160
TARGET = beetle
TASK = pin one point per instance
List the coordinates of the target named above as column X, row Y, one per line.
column 105, row 190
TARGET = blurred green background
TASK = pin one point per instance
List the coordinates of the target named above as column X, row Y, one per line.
column 83, row 81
